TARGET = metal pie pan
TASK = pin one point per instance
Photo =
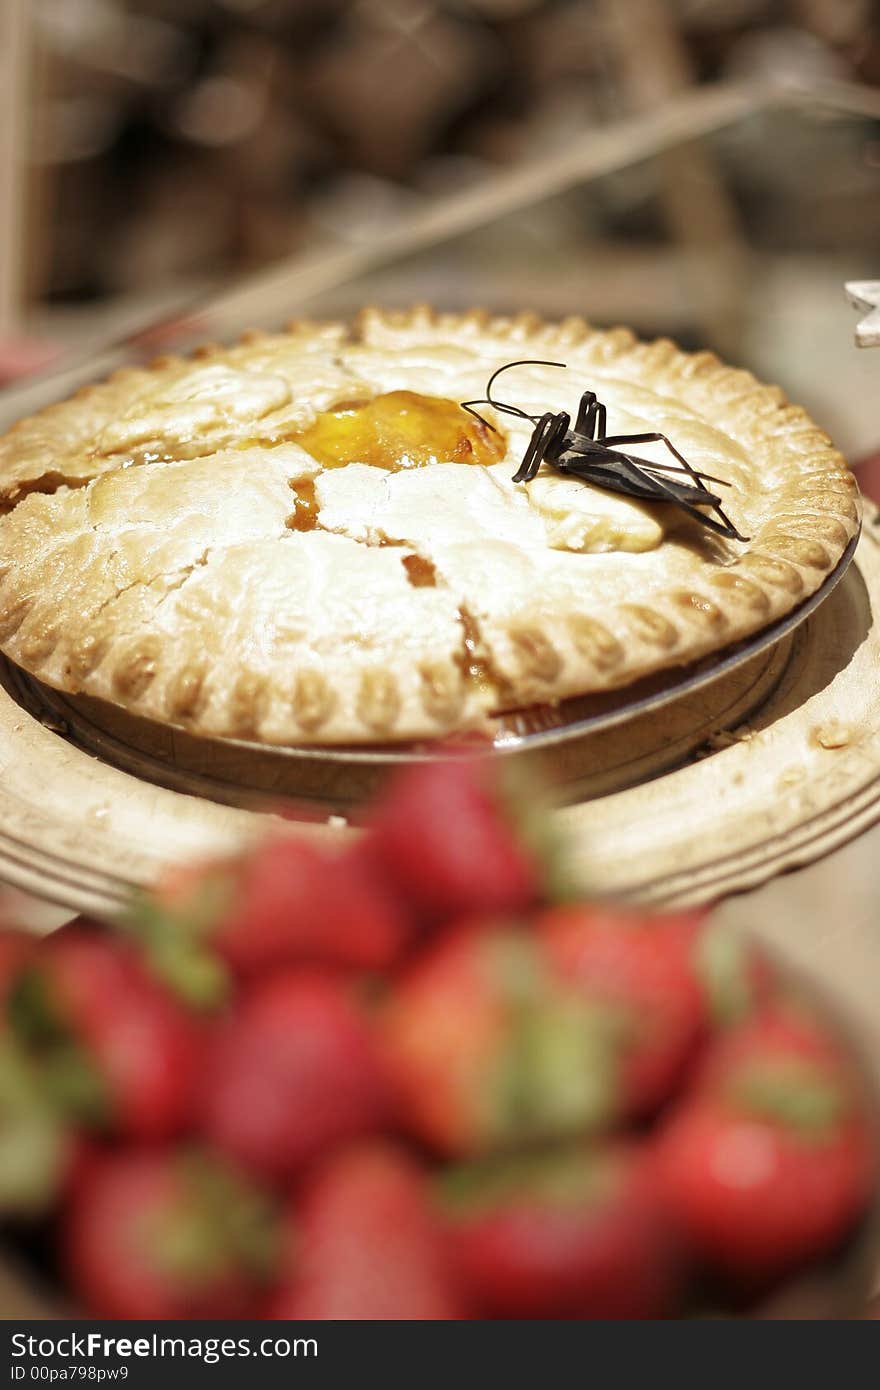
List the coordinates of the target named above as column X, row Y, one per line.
column 541, row 726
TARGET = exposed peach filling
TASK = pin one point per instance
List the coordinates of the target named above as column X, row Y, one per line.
column 305, row 514
column 420, row 572
column 400, row 429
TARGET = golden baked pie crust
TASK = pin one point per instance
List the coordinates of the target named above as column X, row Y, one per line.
column 146, row 556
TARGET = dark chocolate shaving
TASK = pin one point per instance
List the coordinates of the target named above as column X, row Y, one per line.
column 585, row 451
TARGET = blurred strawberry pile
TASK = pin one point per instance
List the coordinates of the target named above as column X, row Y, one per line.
column 400, row 1081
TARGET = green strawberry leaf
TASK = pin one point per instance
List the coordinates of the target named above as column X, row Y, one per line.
column 795, row 1093
column 62, row 1070
column 220, row 1222
column 564, row 1177
column 526, row 804
column 556, row 1070
column 176, row 948
column 33, row 1140
column 722, row 962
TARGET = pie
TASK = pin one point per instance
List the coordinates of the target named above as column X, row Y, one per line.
column 302, row 538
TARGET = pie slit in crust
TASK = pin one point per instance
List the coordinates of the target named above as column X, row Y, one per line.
column 302, row 539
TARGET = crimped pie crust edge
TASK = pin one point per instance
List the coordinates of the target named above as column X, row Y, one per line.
column 815, row 515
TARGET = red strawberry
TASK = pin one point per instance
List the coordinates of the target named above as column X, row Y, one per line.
column 640, row 968
column 484, row 1048
column 666, row 978
column 447, row 839
column 288, row 901
column 573, row 1233
column 291, row 1073
column 364, row 1243
column 786, row 1030
column 156, row 1233
column 113, row 1045
column 774, row 1157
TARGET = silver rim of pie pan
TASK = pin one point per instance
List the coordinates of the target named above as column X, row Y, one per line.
column 589, row 714
column 541, row 726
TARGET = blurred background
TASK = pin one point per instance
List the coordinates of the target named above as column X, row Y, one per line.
column 156, row 151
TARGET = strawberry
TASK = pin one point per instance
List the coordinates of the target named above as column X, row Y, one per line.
column 785, row 1029
column 666, row 978
column 773, row 1158
column 573, row 1233
column 640, row 968
column 485, row 1048
column 290, row 1073
column 364, row 1243
column 449, row 841
column 288, row 901
column 159, row 1233
column 112, row 1045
